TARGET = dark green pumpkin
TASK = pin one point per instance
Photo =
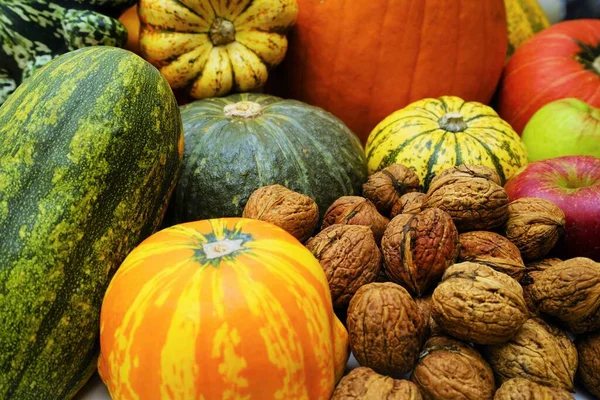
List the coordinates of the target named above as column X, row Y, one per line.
column 227, row 157
column 32, row 32
column 90, row 149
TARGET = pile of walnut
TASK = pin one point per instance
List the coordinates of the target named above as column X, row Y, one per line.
column 450, row 294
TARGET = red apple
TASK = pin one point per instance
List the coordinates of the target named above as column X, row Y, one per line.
column 573, row 183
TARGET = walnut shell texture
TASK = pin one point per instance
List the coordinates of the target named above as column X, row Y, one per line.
column 524, row 389
column 449, row 369
column 295, row 213
column 474, row 203
column 477, row 304
column 570, row 291
column 417, row 249
column 431, row 327
column 385, row 327
column 539, row 352
column 410, row 203
column 544, row 263
column 363, row 383
column 493, row 250
column 384, row 188
column 468, row 171
column 350, row 259
column 534, row 226
column 588, row 348
column 355, row 210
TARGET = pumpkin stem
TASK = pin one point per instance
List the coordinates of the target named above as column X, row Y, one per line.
column 453, row 122
column 222, row 32
column 243, row 109
column 221, row 248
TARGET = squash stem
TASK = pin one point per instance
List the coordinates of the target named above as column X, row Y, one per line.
column 222, row 32
column 221, row 248
column 243, row 109
column 452, row 122
column 596, row 64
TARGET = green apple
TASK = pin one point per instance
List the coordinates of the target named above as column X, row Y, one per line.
column 565, row 127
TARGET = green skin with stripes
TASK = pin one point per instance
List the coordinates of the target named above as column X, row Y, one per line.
column 32, row 32
column 290, row 143
column 90, row 151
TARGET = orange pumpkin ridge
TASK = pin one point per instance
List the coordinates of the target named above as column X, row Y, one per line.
column 210, row 308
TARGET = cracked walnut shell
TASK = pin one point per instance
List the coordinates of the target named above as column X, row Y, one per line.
column 385, row 328
column 349, row 257
column 534, row 226
column 588, row 348
column 449, row 369
column 493, row 250
column 417, row 249
column 473, row 202
column 410, row 203
column 539, row 352
column 355, row 210
column 468, row 171
column 570, row 291
column 524, row 389
column 363, row 383
column 384, row 188
column 477, row 304
column 295, row 213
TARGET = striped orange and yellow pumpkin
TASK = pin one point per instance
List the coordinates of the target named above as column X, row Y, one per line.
column 226, row 308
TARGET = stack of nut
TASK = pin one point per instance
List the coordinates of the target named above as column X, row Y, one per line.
column 450, row 293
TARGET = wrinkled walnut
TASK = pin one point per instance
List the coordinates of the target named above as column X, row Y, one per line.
column 469, row 171
column 417, row 249
column 295, row 213
column 473, row 202
column 477, row 304
column 534, row 226
column 493, row 250
column 540, row 265
column 385, row 327
column 524, row 389
column 385, row 187
column 363, row 383
column 539, row 352
column 355, row 210
column 431, row 327
column 410, row 203
column 532, row 269
column 570, row 291
column 588, row 348
column 448, row 370
column 350, row 258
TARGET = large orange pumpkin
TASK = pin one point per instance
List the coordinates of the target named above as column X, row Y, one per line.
column 363, row 60
column 223, row 308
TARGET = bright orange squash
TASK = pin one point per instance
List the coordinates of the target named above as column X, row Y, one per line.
column 221, row 309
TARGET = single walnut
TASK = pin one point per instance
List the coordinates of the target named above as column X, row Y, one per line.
column 477, row 304
column 468, row 171
column 448, row 370
column 493, row 250
column 363, row 383
column 384, row 188
column 350, row 258
column 410, row 203
column 534, row 226
column 295, row 213
column 355, row 210
column 539, row 352
column 417, row 249
column 524, row 389
column 570, row 291
column 474, row 202
column 385, row 327
column 532, row 269
column 588, row 348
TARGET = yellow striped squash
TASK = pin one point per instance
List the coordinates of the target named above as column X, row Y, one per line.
column 431, row 135
column 212, row 47
column 226, row 308
column 525, row 18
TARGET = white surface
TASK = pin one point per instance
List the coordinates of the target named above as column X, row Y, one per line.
column 95, row 389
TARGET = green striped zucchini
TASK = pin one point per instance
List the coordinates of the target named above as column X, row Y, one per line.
column 431, row 135
column 90, row 148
